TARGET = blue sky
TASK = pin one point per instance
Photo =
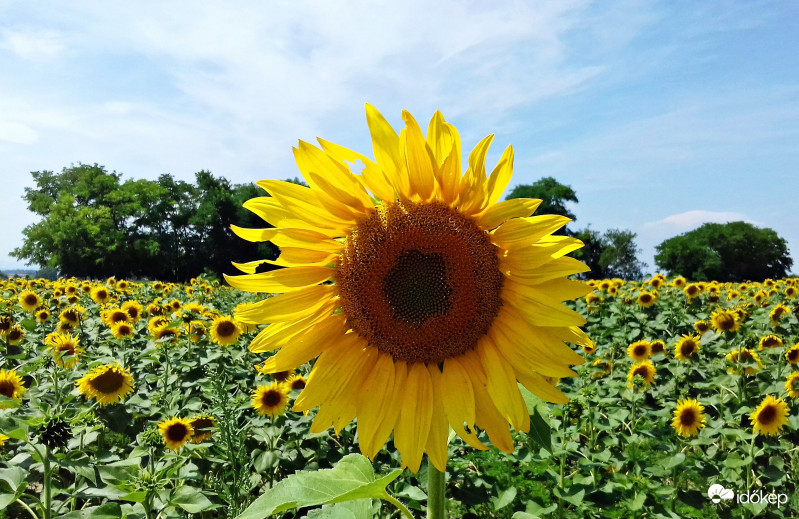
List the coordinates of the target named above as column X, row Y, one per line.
column 661, row 115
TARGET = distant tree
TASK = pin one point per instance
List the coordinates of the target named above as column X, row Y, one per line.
column 613, row 254
column 552, row 193
column 736, row 251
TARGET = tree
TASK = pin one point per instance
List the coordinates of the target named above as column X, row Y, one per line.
column 736, row 251
column 610, row 255
column 552, row 193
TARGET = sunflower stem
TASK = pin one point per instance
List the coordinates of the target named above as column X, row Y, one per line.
column 48, row 490
column 436, row 490
column 398, row 504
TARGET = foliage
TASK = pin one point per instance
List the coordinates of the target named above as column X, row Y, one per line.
column 95, row 225
column 610, row 255
column 553, row 196
column 735, row 251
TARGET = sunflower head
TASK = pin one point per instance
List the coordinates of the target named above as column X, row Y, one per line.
column 792, row 384
column 11, row 386
column 647, row 299
column 65, row 348
column 725, row 320
column 175, row 432
column 770, row 341
column 701, row 327
column 645, row 369
column 271, row 399
column 686, row 347
column 202, row 425
column 792, row 355
column 225, row 330
column 29, row 300
column 15, row 335
column 657, row 346
column 770, row 416
column 423, row 300
column 744, row 361
column 107, row 384
column 122, row 330
column 639, row 350
column 689, row 417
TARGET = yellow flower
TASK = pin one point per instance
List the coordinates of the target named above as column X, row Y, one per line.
column 792, row 355
column 6, row 324
column 639, row 350
column 296, row 382
column 42, row 314
column 792, row 385
column 770, row 416
column 745, row 357
column 646, row 369
column 65, row 349
column 679, row 282
column 100, row 294
column 725, row 321
column 133, row 309
column 647, row 299
column 692, row 290
column 175, row 432
column 657, row 346
column 196, row 330
column 72, row 315
column 689, row 417
column 15, row 335
column 122, row 330
column 686, row 347
column 3, row 439
column 29, row 300
column 11, row 386
column 701, row 327
column 271, row 399
column 107, row 384
column 201, row 425
column 225, row 330
column 441, row 298
column 770, row 341
column 114, row 315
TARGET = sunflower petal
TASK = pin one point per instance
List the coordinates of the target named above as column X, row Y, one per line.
column 375, row 402
column 413, row 425
column 306, row 346
column 281, row 280
column 522, row 232
column 372, row 177
column 290, row 306
column 385, row 143
column 499, row 213
column 487, row 416
column 458, row 396
column 538, row 386
column 436, row 445
column 501, row 176
column 502, row 387
column 418, row 158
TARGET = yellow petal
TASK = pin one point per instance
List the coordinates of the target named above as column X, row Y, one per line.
column 281, row 280
column 372, row 177
column 538, row 386
column 279, row 334
column 331, row 177
column 301, row 238
column 499, row 213
column 560, row 289
column 557, row 268
column 522, row 232
column 290, row 306
column 502, row 387
column 270, row 210
column 413, row 425
column 418, row 158
column 436, row 445
column 385, row 143
column 487, row 416
column 500, row 177
column 473, row 197
column 539, row 311
column 375, row 404
column 296, row 256
column 458, row 397
column 307, row 345
column 309, row 205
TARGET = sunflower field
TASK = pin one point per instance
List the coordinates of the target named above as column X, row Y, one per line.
column 128, row 399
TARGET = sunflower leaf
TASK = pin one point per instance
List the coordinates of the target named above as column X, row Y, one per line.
column 540, row 432
column 352, row 478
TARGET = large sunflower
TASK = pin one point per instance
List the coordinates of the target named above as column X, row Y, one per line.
column 689, row 417
column 424, row 301
column 175, row 432
column 770, row 416
column 107, row 384
column 11, row 386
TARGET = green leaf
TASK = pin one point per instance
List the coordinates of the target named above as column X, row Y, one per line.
column 573, row 495
column 358, row 509
column 14, row 476
column 540, row 432
column 734, row 460
column 524, row 515
column 190, row 499
column 6, row 499
column 28, row 324
column 636, row 503
column 352, row 478
column 676, row 460
column 108, row 510
column 505, row 498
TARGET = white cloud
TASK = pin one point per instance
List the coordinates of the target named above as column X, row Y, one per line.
column 17, row 133
column 33, row 44
column 690, row 220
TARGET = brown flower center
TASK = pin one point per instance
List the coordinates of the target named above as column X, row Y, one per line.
column 687, row 417
column 7, row 389
column 767, row 415
column 108, row 382
column 271, row 398
column 177, row 432
column 226, row 329
column 420, row 282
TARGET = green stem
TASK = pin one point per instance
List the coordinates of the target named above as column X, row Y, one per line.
column 26, row 507
column 48, row 486
column 402, row 508
column 436, row 489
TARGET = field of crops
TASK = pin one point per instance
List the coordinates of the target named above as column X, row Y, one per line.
column 126, row 399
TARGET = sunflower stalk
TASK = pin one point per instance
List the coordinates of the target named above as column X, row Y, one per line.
column 436, row 490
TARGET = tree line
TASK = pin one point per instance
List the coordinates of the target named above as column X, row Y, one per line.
column 94, row 225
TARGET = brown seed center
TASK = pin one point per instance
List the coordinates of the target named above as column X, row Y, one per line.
column 108, row 382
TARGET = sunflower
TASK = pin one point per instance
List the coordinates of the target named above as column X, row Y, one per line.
column 15, row 335
column 114, row 315
column 175, row 432
column 133, row 309
column 605, row 367
column 196, row 330
column 441, row 298
column 11, row 386
column 689, row 417
column 770, row 341
column 72, row 315
column 122, row 330
column 100, row 294
column 107, row 384
column 271, row 399
column 66, row 352
column 29, row 300
column 6, row 323
column 3, row 439
column 165, row 333
column 296, row 382
column 639, row 351
column 201, row 425
column 646, row 369
column 792, row 385
column 792, row 355
column 725, row 321
column 647, row 299
column 701, row 327
column 686, row 347
column 692, row 290
column 744, row 357
column 791, row 292
column 225, row 330
column 42, row 314
column 679, row 282
column 770, row 416
column 657, row 346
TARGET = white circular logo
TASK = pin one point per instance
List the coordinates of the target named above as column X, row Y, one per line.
column 717, row 492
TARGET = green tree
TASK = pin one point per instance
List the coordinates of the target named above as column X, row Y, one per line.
column 736, row 251
column 613, row 254
column 552, row 193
